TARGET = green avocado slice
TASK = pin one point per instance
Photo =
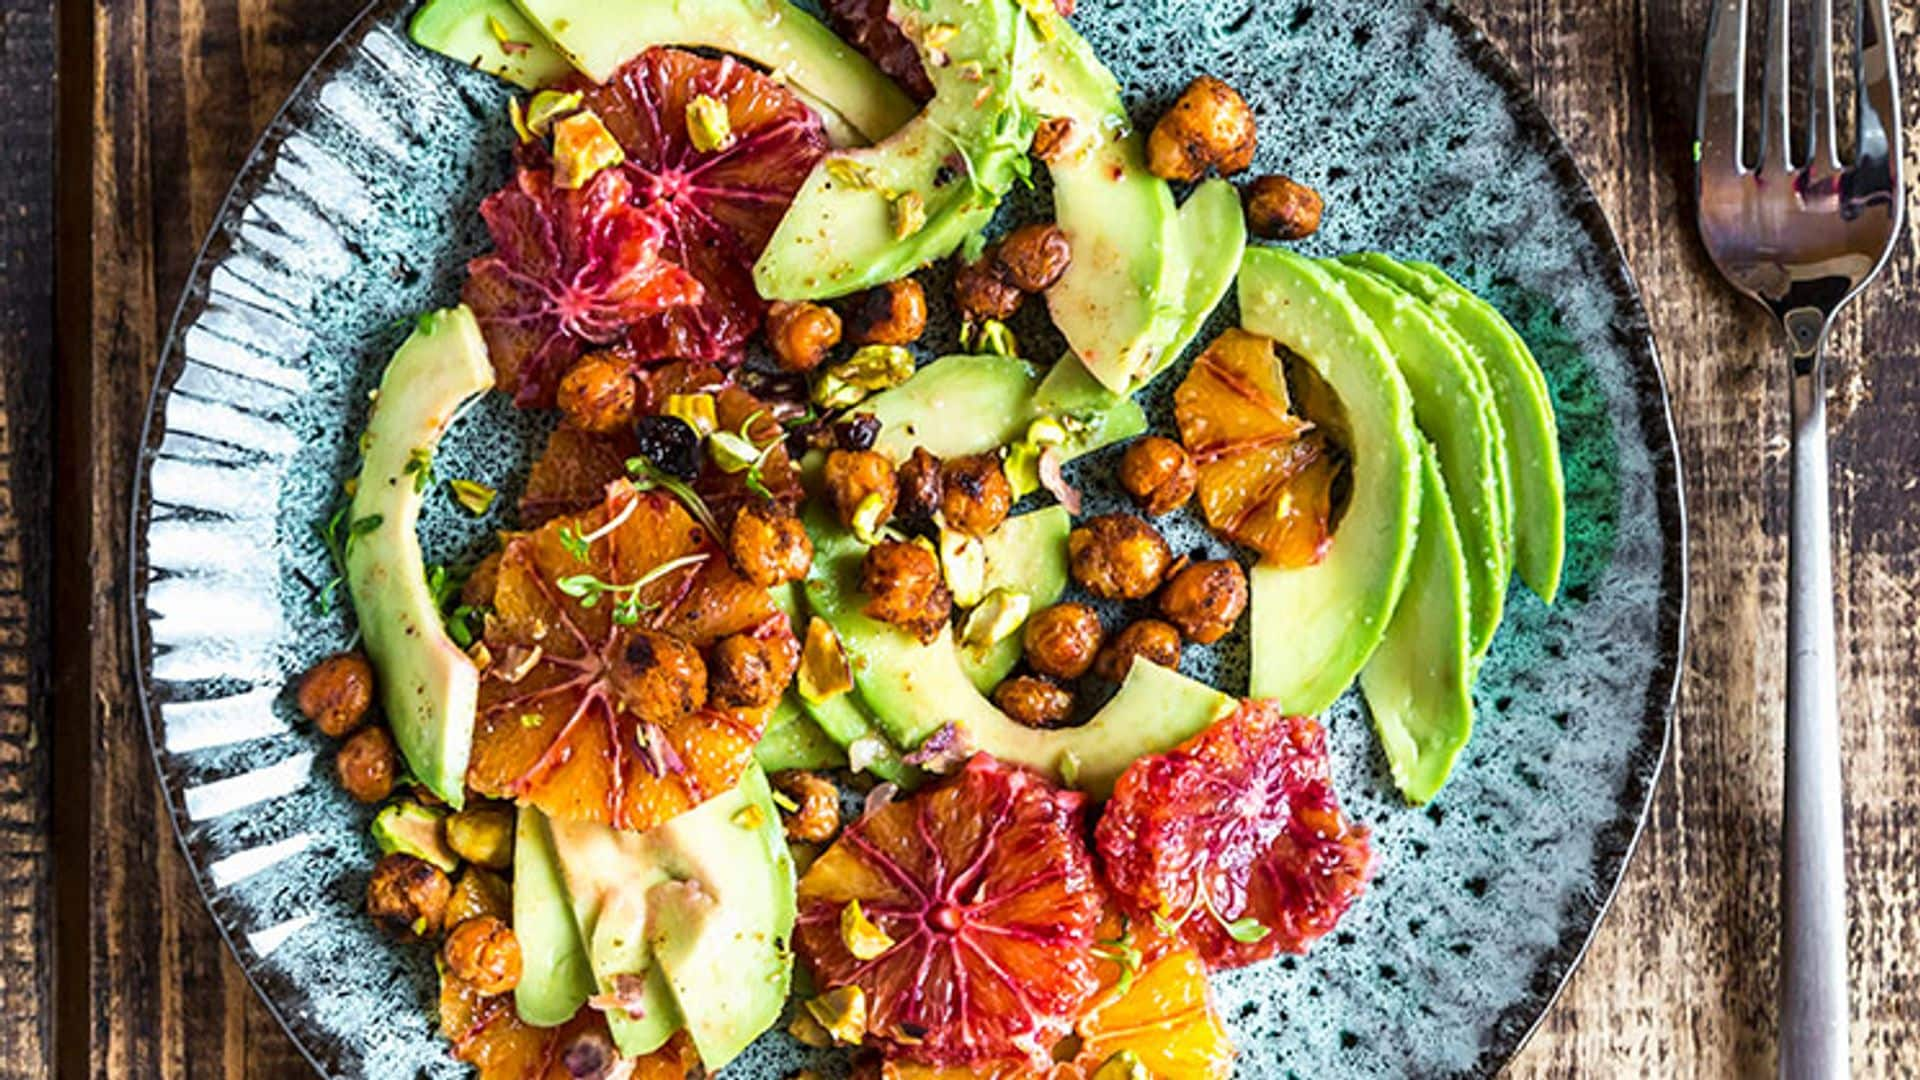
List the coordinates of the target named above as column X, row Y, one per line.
column 793, row 741
column 1419, row 684
column 1314, row 627
column 1211, row 234
column 866, row 216
column 491, row 36
column 1520, row 392
column 1453, row 406
column 841, row 717
column 606, row 875
column 1027, row 554
column 556, row 977
column 428, row 686
column 956, row 405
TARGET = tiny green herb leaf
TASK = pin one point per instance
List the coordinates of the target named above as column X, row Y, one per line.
column 648, row 476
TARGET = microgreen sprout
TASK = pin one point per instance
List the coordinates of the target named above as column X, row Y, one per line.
column 648, row 476
column 627, row 606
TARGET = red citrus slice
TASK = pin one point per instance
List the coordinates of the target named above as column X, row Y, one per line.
column 488, row 1034
column 718, row 205
column 1236, row 837
column 569, row 268
column 986, row 895
column 584, row 709
column 572, row 473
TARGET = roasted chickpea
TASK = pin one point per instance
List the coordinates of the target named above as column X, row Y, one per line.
column 482, row 834
column 920, row 486
column 1062, row 640
column 890, row 314
column 408, row 896
column 1205, row 599
column 862, row 486
column 982, row 291
column 751, row 669
column 904, row 587
column 769, row 546
column 974, row 494
column 1034, row 702
column 1280, row 208
column 1159, row 474
column 1118, row 557
column 485, row 954
column 1051, row 137
column 599, row 394
column 1209, row 125
column 1035, row 256
column 801, row 334
column 367, row 764
column 818, row 815
column 1149, row 639
column 658, row 677
column 336, row 693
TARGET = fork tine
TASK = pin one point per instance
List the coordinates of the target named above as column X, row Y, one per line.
column 1822, row 132
column 1776, row 122
column 1878, row 82
column 1720, row 127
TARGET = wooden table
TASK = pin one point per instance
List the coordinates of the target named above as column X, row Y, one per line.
column 110, row 967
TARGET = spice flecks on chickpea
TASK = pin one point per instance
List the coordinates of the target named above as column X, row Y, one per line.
column 658, row 677
column 408, row 896
column 484, row 953
column 1063, row 640
column 367, row 764
column 1118, row 557
column 975, row 497
column 920, row 486
column 769, row 546
column 1148, row 639
column 863, row 488
column 801, row 334
column 890, row 314
column 750, row 669
column 336, row 693
column 1281, row 208
column 1159, row 474
column 1209, row 125
column 816, row 817
column 982, row 291
column 599, row 394
column 1034, row 702
column 1035, row 256
column 904, row 587
column 1205, row 599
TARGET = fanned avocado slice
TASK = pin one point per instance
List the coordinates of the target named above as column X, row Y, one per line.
column 793, row 741
column 491, row 36
column 1314, row 627
column 841, row 717
column 1539, row 512
column 1211, row 234
column 1027, row 554
column 556, row 977
column 428, row 686
column 1419, row 684
column 963, row 404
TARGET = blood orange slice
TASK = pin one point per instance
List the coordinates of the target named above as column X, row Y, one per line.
column 488, row 1034
column 569, row 268
column 720, row 204
column 573, row 472
column 985, row 893
column 1236, row 837
column 1266, row 476
column 589, row 708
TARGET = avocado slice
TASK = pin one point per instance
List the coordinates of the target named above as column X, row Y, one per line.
column 471, row 31
column 1094, row 416
column 956, row 405
column 600, row 37
column 1314, row 627
column 1539, row 512
column 412, row 829
column 556, row 977
column 1419, row 684
column 949, row 165
column 1453, row 406
column 1212, row 234
column 606, row 874
column 793, row 741
column 915, row 689
column 1027, row 554
column 428, row 687
column 841, row 718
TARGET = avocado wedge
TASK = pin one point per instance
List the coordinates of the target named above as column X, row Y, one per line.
column 793, row 741
column 956, row 405
column 491, row 36
column 556, row 977
column 1313, row 628
column 841, row 718
column 1419, row 684
column 1526, row 413
column 1211, row 233
column 1453, row 406
column 1027, row 554
column 428, row 687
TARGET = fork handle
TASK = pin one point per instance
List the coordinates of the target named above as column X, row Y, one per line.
column 1813, row 909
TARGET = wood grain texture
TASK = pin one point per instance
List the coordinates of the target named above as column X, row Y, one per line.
column 1679, row 981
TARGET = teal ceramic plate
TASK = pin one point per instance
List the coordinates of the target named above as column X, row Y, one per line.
column 356, row 211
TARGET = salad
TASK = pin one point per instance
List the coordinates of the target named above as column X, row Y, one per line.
column 806, row 694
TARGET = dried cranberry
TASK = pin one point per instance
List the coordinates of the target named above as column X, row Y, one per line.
column 671, row 444
column 857, row 432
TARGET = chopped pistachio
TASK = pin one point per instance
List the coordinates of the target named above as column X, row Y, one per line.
column 850, row 173
column 807, row 1031
column 1043, row 13
column 548, row 106
column 498, row 29
column 995, row 338
column 475, row 496
column 530, row 720
column 1124, row 1065
column 823, row 673
column 695, row 410
column 1070, row 769
column 749, row 817
column 1046, row 431
column 518, row 115
column 997, row 617
column 866, row 517
column 909, row 213
column 864, row 751
column 708, row 125
column 963, row 562
column 732, row 451
column 859, row 934
column 1022, row 466
column 351, row 486
column 582, row 147
column 842, row 1012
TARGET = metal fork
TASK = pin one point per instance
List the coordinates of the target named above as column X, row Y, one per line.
column 1803, row 233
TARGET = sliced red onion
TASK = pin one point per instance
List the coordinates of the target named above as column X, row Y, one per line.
column 1055, row 481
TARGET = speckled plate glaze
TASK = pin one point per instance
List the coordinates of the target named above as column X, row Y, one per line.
column 356, row 211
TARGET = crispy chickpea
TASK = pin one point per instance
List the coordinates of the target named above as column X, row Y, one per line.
column 862, row 486
column 890, row 314
column 1035, row 256
column 818, row 815
column 1205, row 599
column 1149, row 639
column 1051, row 137
column 1062, row 640
column 485, row 954
column 981, row 290
column 336, row 693
column 801, row 334
column 1034, row 702
column 1159, row 474
column 599, row 394
column 920, row 486
column 904, row 587
column 974, row 494
column 1209, row 125
column 482, row 834
column 367, row 764
column 658, row 677
column 1118, row 557
column 408, row 896
column 769, row 546
column 749, row 669
column 1280, row 208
